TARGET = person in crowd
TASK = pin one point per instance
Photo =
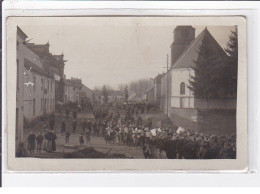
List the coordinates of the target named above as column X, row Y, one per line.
column 51, row 122
column 44, row 128
column 67, row 112
column 39, row 140
column 83, row 126
column 67, row 137
column 74, row 113
column 81, row 140
column 88, row 136
column 63, row 127
column 48, row 137
column 31, row 142
column 89, row 125
column 53, row 141
column 74, row 125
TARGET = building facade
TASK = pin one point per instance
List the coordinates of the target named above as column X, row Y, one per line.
column 20, row 45
column 52, row 65
column 177, row 100
column 37, row 74
column 72, row 90
column 39, row 91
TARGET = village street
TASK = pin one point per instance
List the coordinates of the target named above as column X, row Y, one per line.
column 97, row 142
column 146, row 111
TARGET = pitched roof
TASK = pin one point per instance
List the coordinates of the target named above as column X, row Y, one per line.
column 191, row 54
column 73, row 82
column 35, row 68
column 40, row 49
column 21, row 33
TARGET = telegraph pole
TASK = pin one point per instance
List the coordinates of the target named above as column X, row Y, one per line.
column 167, row 68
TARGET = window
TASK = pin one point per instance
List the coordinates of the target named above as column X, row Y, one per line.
column 34, row 84
column 41, row 104
column 17, row 74
column 182, row 88
column 33, row 106
column 42, row 85
column 16, row 124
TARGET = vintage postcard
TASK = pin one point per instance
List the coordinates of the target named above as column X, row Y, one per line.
column 126, row 93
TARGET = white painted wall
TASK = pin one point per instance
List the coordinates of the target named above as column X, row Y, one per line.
column 179, row 100
column 72, row 94
column 44, row 102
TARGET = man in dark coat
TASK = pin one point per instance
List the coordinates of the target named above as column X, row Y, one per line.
column 67, row 137
column 81, row 140
column 74, row 125
column 74, row 114
column 139, row 121
column 88, row 136
column 53, row 141
column 31, row 142
column 84, row 126
column 39, row 140
column 63, row 127
column 67, row 112
column 51, row 123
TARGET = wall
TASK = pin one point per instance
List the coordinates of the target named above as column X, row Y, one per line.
column 72, row 94
column 219, row 103
column 217, row 121
column 19, row 91
column 43, row 95
column 210, row 121
column 185, row 118
column 150, row 95
column 179, row 100
column 166, row 85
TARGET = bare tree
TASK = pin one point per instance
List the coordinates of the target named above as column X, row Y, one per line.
column 140, row 86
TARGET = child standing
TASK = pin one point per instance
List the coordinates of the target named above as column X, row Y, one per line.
column 67, row 137
column 81, row 140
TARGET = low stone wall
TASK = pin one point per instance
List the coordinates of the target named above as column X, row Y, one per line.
column 219, row 103
column 185, row 118
column 211, row 121
column 217, row 121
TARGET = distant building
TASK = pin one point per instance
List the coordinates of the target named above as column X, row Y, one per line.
column 72, row 90
column 153, row 95
column 135, row 98
column 150, row 97
column 86, row 95
column 114, row 96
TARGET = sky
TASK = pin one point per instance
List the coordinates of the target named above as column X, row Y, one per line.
column 111, row 50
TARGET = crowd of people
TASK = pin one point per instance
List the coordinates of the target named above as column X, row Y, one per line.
column 123, row 124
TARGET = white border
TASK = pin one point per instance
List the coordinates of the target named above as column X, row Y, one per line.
column 188, row 8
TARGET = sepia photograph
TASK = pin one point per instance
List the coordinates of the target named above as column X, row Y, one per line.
column 127, row 88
